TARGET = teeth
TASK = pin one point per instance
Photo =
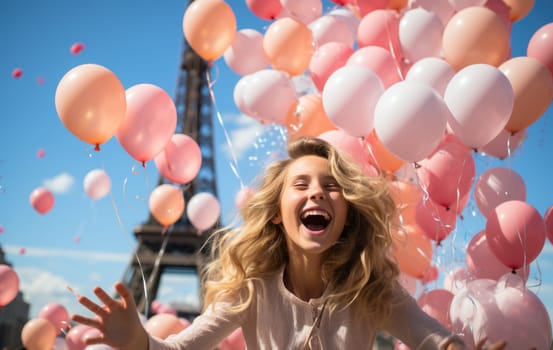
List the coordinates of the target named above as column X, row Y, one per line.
column 316, row 212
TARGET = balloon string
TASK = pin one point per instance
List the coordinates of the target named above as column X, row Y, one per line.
column 165, row 233
column 234, row 164
column 392, row 50
column 509, row 151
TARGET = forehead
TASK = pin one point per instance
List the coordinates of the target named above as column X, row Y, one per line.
column 308, row 164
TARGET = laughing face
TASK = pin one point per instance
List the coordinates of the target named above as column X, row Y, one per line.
column 313, row 209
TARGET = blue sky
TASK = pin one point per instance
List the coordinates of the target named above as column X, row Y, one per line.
column 81, row 242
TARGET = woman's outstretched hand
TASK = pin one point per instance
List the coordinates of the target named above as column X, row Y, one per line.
column 117, row 320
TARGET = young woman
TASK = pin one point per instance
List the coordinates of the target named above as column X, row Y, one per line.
column 307, row 268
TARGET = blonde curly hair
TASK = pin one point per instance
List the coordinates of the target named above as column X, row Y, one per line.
column 357, row 269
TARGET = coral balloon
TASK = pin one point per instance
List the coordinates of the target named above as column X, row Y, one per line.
column 9, row 284
column 90, row 101
column 475, row 35
column 163, row 325
column 412, row 251
column 306, row 11
column 180, row 160
column 380, row 156
column 407, row 196
column 515, row 232
column 246, row 54
column 519, row 9
column 77, row 48
column 540, row 46
column 97, row 184
column 410, row 120
column 42, row 200
column 481, row 100
column 482, row 263
column 17, row 73
column 209, row 27
column 533, row 90
column 38, row 334
column 435, row 220
column 166, row 204
column 349, row 98
column 75, row 337
column 498, row 185
column 307, row 117
column 353, row 147
column 203, row 211
column 57, row 315
column 150, row 121
column 289, row 45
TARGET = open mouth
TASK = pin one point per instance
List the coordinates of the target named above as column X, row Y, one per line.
column 315, row 220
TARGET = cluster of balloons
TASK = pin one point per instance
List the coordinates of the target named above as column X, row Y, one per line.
column 411, row 87
column 93, row 105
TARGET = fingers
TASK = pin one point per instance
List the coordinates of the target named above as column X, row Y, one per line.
column 93, row 322
column 125, row 294
column 105, row 298
column 92, row 306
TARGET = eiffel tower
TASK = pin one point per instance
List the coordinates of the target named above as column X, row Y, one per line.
column 179, row 251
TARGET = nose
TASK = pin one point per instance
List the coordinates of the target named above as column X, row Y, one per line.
column 317, row 193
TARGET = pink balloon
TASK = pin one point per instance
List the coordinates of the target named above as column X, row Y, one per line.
column 328, row 29
column 9, row 284
column 166, row 309
column 327, row 59
column 448, row 173
column 268, row 95
column 456, row 280
column 203, row 210
column 482, row 263
column 436, row 303
column 441, row 8
column 502, row 310
column 180, row 160
column 502, row 10
column 246, row 54
column 481, row 99
column 378, row 60
column 504, row 144
column 433, row 71
column 75, row 337
column 349, row 98
column 305, row 11
column 410, row 120
column 352, row 146
column 461, row 4
column 242, row 196
column 540, row 46
column 420, row 34
column 435, row 220
column 76, row 48
column 515, row 232
column 548, row 218
column 57, row 315
column 150, row 121
column 265, row 9
column 381, row 28
column 498, row 185
column 42, row 200
column 17, row 73
column 97, row 183
column 234, row 341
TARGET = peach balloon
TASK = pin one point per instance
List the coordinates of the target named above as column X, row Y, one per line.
column 380, row 156
column 209, row 27
column 163, row 325
column 307, row 117
column 38, row 334
column 533, row 90
column 519, row 8
column 475, row 35
column 289, row 45
column 412, row 251
column 166, row 204
column 90, row 101
column 406, row 195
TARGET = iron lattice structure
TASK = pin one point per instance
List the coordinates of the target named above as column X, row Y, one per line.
column 178, row 250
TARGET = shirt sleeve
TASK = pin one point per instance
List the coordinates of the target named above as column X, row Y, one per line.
column 415, row 328
column 205, row 332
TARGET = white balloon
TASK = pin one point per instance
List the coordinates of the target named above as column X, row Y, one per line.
column 97, row 184
column 203, row 210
